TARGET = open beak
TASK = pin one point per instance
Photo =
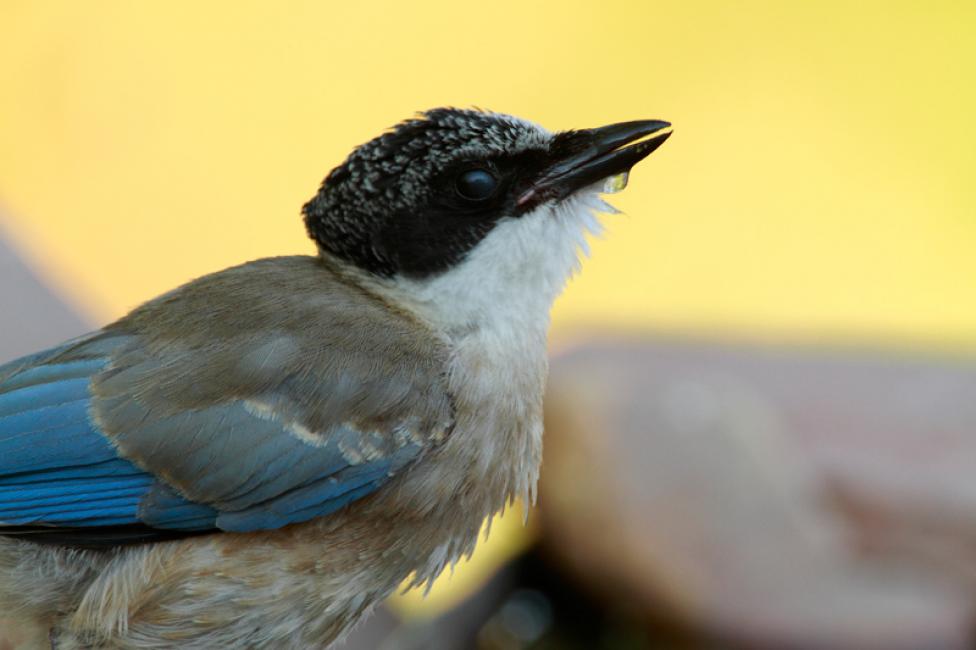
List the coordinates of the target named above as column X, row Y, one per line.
column 585, row 157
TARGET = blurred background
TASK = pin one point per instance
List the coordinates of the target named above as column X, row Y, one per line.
column 761, row 428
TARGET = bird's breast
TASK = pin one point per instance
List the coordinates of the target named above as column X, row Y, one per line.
column 492, row 455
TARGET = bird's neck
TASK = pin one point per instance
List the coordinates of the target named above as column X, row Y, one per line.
column 493, row 311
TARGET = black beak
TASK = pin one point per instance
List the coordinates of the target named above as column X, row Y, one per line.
column 582, row 158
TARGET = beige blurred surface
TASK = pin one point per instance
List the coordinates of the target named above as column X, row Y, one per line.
column 771, row 496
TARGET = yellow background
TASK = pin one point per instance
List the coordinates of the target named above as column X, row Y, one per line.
column 819, row 186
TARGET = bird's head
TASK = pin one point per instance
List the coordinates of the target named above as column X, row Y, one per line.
column 456, row 194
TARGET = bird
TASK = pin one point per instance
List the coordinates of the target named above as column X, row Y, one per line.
column 260, row 456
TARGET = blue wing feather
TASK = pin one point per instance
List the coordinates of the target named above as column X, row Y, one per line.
column 58, row 469
column 92, row 471
column 163, row 508
column 52, row 373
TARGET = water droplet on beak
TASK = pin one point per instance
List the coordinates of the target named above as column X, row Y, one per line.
column 615, row 183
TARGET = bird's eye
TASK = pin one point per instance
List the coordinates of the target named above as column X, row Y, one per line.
column 476, row 184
